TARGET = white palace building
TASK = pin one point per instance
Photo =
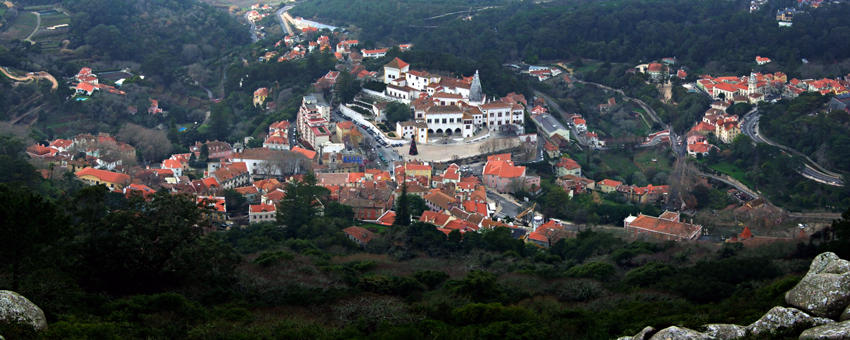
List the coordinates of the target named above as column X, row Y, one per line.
column 447, row 106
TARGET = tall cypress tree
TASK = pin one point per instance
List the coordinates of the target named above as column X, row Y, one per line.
column 402, row 207
column 413, row 151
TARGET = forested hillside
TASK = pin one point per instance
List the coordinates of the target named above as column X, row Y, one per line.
column 720, row 34
column 158, row 34
column 804, row 124
column 103, row 266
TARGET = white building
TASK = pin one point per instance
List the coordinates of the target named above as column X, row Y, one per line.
column 410, row 129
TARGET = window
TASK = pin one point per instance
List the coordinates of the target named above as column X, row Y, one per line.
column 444, row 120
column 451, row 120
column 429, row 121
column 500, row 114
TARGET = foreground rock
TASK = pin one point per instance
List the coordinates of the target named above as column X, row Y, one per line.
column 825, row 290
column 725, row 331
column 16, row 308
column 639, row 336
column 782, row 318
column 679, row 333
column 832, row 331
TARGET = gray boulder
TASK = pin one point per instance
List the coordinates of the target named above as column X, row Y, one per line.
column 679, row 333
column 825, row 290
column 639, row 336
column 781, row 318
column 16, row 308
column 725, row 331
column 831, row 331
column 828, row 263
column 845, row 315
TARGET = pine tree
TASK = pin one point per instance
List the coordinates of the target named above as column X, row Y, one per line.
column 402, row 207
column 413, row 151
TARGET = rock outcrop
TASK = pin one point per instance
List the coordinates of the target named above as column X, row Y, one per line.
column 679, row 333
column 822, row 296
column 781, row 318
column 639, row 336
column 832, row 331
column 16, row 308
column 725, row 331
column 825, row 290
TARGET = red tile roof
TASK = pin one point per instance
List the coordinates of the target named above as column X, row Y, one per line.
column 568, row 164
column 360, row 234
column 665, row 227
column 306, row 153
column 388, row 218
column 610, row 183
column 217, row 203
column 435, row 218
column 260, row 208
column 103, row 175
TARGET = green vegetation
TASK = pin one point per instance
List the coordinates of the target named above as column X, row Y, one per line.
column 805, row 125
column 54, row 19
column 732, row 170
column 175, row 280
column 620, row 164
column 630, row 31
column 21, row 27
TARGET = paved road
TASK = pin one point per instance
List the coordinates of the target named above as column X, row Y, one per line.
column 640, row 103
column 282, row 21
column 37, row 25
column 254, row 31
column 509, row 207
column 371, row 146
column 750, row 127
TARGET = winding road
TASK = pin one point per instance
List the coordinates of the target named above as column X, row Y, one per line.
column 37, row 25
column 31, row 76
column 750, row 127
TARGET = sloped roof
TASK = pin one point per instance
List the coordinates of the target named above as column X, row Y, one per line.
column 103, row 175
column 397, row 63
column 361, row 234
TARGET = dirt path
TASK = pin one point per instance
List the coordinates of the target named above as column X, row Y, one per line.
column 31, row 76
column 37, row 25
column 667, row 92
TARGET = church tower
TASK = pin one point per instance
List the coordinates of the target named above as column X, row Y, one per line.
column 475, row 93
column 751, row 84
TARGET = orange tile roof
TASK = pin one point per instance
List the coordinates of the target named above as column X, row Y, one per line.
column 247, row 190
column 217, row 203
column 397, row 63
column 434, row 217
column 360, row 234
column 260, row 208
column 499, row 157
column 658, row 225
column 388, row 218
column 568, row 164
column 307, row 153
column 610, row 183
column 103, row 175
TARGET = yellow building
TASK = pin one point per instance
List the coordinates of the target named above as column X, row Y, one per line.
column 260, row 96
column 411, row 169
column 112, row 180
column 727, row 131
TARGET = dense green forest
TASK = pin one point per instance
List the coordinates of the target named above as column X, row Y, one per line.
column 161, row 35
column 102, row 266
column 720, row 35
column 805, row 125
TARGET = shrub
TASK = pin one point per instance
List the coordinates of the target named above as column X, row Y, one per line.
column 600, row 271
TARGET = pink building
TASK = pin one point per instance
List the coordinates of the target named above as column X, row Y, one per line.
column 500, row 172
